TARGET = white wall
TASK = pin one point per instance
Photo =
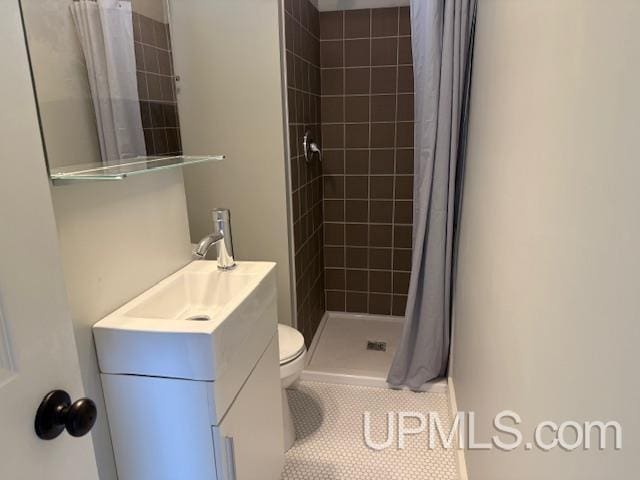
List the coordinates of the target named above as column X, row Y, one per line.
column 547, row 303
column 227, row 54
column 117, row 239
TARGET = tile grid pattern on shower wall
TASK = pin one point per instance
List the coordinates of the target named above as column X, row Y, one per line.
column 302, row 42
column 367, row 132
column 156, row 86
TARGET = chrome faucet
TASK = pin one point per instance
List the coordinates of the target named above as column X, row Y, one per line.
column 221, row 237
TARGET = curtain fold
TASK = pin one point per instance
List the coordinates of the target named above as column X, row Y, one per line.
column 105, row 31
column 441, row 39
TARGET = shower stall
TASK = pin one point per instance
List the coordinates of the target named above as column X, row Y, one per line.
column 349, row 81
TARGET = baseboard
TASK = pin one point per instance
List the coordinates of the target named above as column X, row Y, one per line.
column 453, row 408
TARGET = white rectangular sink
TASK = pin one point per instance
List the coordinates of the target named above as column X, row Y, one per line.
column 200, row 323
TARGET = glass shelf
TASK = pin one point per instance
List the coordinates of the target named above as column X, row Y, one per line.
column 125, row 168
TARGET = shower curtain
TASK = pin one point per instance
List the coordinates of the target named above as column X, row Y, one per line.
column 442, row 33
column 105, row 31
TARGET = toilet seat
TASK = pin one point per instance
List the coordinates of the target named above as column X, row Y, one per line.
column 291, row 344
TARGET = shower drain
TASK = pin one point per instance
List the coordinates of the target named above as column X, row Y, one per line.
column 377, row 346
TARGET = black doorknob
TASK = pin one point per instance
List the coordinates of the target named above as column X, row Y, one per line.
column 56, row 413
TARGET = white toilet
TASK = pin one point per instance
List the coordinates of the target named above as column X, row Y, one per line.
column 292, row 356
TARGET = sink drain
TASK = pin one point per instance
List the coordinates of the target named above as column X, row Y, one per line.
column 199, row 318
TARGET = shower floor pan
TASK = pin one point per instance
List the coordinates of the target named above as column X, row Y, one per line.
column 357, row 349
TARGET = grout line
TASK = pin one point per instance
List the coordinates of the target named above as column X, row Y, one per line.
column 302, row 59
column 362, row 67
column 334, row 95
column 302, row 26
column 372, row 37
column 346, row 290
column 374, row 223
column 391, row 174
column 335, row 149
column 388, row 199
column 362, row 269
column 369, row 153
column 395, row 161
column 365, row 123
column 360, row 247
column 154, row 47
column 344, row 142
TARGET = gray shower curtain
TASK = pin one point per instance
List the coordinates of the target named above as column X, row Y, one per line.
column 441, row 40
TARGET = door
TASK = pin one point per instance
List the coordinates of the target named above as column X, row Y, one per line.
column 37, row 349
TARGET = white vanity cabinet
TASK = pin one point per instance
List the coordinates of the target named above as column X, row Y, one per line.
column 163, row 428
column 224, row 420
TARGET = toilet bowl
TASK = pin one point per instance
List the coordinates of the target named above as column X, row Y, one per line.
column 292, row 356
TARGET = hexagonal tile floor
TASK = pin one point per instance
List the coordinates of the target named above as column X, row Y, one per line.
column 330, row 445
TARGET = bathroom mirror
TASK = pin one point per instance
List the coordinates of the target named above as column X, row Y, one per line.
column 104, row 81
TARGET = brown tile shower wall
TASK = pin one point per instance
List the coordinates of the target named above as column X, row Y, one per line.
column 156, row 86
column 367, row 134
column 302, row 32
